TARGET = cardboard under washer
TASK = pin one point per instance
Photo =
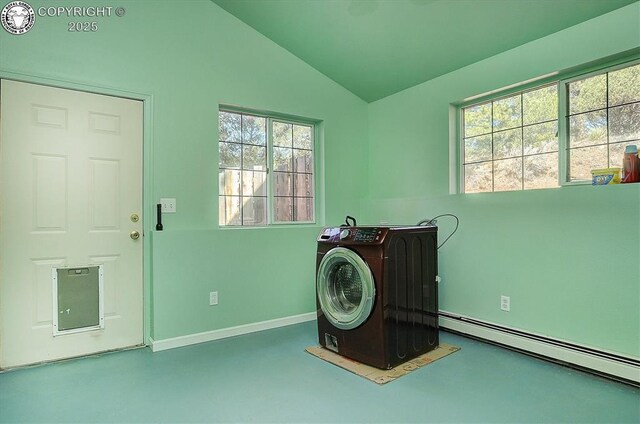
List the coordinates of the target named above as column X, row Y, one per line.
column 382, row 376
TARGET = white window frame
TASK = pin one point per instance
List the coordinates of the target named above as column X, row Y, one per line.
column 561, row 80
column 271, row 117
column 271, row 174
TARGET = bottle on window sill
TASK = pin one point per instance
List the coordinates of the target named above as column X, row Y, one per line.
column 630, row 165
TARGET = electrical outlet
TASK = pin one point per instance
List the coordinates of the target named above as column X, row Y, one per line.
column 213, row 298
column 505, row 303
column 168, row 205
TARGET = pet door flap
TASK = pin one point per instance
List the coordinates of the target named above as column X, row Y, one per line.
column 77, row 298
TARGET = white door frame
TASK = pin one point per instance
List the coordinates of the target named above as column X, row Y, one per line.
column 148, row 206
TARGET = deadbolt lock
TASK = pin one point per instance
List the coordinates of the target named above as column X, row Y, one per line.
column 134, row 235
column 135, row 217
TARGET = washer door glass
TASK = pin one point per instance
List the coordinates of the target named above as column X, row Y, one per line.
column 345, row 288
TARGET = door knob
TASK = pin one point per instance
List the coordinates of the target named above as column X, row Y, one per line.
column 134, row 235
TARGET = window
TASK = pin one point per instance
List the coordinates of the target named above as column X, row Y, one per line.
column 602, row 118
column 514, row 142
column 266, row 170
column 511, row 143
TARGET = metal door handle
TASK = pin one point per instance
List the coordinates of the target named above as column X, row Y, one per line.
column 134, row 235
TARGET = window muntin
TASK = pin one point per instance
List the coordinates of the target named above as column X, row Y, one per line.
column 511, row 143
column 250, row 146
column 603, row 117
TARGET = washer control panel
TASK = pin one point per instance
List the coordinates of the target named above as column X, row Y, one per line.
column 354, row 235
column 367, row 234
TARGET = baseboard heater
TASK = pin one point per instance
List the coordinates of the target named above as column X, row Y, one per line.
column 607, row 364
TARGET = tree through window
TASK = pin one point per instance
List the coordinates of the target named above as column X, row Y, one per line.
column 603, row 117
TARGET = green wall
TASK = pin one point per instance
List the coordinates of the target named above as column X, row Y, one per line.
column 185, row 58
column 569, row 258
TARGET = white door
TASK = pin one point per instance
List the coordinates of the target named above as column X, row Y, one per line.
column 70, row 183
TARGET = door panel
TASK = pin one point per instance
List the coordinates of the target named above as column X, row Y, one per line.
column 345, row 288
column 70, row 178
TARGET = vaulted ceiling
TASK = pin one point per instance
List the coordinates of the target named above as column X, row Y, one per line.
column 375, row 48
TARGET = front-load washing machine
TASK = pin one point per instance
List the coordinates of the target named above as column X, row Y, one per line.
column 377, row 296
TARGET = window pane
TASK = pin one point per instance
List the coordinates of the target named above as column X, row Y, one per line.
column 624, row 85
column 583, row 160
column 302, row 137
column 506, row 113
column 282, row 159
column 524, row 123
column 254, row 157
column 303, row 209
column 254, row 210
column 229, row 127
column 229, row 182
column 303, row 185
column 283, row 209
column 282, row 134
column 254, row 183
column 616, row 153
column 507, row 174
column 540, row 105
column 254, row 130
column 541, row 138
column 477, row 149
column 229, row 155
column 541, row 171
column 588, row 129
column 229, row 210
column 507, row 144
column 303, row 160
column 283, row 183
column 588, row 94
column 624, row 123
column 477, row 120
column 478, row 177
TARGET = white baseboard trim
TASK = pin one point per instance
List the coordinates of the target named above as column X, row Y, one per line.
column 207, row 336
column 625, row 367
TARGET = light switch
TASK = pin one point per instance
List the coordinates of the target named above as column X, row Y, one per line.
column 168, row 205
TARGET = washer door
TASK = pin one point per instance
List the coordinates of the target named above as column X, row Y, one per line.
column 345, row 288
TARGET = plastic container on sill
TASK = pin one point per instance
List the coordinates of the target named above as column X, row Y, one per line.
column 630, row 165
